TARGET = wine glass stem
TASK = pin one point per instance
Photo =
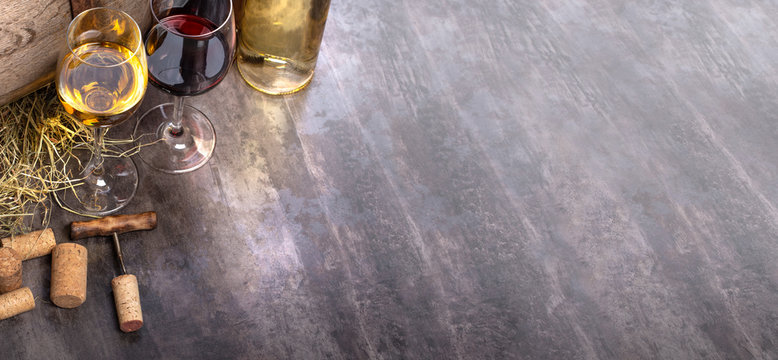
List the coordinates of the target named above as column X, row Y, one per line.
column 176, row 127
column 96, row 164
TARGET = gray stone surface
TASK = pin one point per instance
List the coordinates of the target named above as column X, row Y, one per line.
column 561, row 179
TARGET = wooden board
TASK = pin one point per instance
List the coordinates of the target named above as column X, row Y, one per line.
column 31, row 34
column 77, row 6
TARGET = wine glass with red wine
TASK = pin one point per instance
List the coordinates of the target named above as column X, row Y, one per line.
column 190, row 49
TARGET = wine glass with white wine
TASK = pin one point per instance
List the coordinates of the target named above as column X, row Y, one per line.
column 101, row 80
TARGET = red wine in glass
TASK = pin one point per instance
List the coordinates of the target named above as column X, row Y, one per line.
column 190, row 50
column 183, row 59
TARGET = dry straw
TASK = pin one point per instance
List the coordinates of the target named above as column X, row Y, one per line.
column 36, row 140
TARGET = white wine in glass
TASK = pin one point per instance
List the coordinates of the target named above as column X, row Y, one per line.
column 99, row 83
column 101, row 80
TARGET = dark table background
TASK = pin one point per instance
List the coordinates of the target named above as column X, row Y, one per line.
column 560, row 179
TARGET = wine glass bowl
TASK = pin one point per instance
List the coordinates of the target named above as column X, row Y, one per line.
column 102, row 76
column 190, row 50
column 101, row 79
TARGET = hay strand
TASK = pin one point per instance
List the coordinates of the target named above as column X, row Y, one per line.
column 36, row 140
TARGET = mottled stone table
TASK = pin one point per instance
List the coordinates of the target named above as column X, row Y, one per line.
column 500, row 179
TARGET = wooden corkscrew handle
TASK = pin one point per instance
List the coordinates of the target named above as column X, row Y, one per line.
column 108, row 225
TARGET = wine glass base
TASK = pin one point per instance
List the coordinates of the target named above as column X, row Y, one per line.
column 99, row 191
column 171, row 152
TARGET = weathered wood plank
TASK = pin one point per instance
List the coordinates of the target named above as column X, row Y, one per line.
column 77, row 6
column 31, row 34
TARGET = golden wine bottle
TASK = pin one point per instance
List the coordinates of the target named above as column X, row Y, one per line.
column 101, row 84
column 279, row 43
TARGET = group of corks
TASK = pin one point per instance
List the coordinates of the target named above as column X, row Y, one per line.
column 68, row 272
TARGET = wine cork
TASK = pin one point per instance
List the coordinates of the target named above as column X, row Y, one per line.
column 16, row 302
column 127, row 300
column 68, row 275
column 10, row 270
column 31, row 245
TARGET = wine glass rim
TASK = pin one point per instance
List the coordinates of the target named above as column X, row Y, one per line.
column 201, row 36
column 134, row 23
